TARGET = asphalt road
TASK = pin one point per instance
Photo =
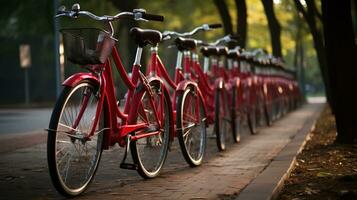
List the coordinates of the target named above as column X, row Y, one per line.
column 13, row 121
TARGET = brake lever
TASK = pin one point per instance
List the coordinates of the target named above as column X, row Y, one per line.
column 206, row 27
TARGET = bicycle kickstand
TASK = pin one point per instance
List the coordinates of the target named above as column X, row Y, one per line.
column 123, row 164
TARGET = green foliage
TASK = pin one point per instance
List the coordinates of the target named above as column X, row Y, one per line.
column 31, row 22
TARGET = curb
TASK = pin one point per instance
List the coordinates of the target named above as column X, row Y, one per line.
column 268, row 184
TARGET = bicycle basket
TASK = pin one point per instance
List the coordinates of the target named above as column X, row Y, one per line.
column 87, row 45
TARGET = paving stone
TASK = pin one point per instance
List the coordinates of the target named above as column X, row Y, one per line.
column 221, row 173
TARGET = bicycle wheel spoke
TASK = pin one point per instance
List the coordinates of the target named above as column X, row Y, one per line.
column 66, row 126
column 187, row 132
column 76, row 157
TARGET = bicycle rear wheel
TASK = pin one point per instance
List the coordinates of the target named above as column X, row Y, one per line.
column 73, row 159
column 149, row 153
column 191, row 126
column 237, row 118
column 221, row 121
column 252, row 120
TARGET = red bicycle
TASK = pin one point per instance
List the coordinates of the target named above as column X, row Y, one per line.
column 86, row 118
column 188, row 103
column 212, row 101
column 213, row 85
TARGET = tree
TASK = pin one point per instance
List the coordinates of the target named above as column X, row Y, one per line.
column 241, row 22
column 341, row 51
column 310, row 14
column 241, row 10
column 299, row 55
column 224, row 13
column 274, row 27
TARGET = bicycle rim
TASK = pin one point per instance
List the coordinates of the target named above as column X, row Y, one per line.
column 72, row 159
column 236, row 117
column 221, row 120
column 150, row 152
column 191, row 127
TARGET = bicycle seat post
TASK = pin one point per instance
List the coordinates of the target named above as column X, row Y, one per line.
column 187, row 62
column 205, row 64
column 153, row 52
column 179, row 60
column 139, row 52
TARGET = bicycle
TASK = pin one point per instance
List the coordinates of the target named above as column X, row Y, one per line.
column 192, row 71
column 214, row 86
column 188, row 104
column 86, row 118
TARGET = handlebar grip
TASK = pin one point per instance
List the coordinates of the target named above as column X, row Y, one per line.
column 213, row 26
column 234, row 37
column 153, row 17
column 61, row 10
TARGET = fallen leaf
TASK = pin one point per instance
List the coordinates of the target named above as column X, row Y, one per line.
column 310, row 191
column 9, row 178
column 323, row 174
column 313, row 169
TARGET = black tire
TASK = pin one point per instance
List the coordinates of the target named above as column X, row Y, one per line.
column 191, row 135
column 252, row 121
column 260, row 113
column 268, row 114
column 237, row 118
column 150, row 153
column 72, row 160
column 221, row 123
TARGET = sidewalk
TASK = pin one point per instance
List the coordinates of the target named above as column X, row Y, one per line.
column 24, row 174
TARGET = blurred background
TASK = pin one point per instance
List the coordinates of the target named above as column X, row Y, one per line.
column 30, row 25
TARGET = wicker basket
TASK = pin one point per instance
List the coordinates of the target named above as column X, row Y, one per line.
column 87, row 45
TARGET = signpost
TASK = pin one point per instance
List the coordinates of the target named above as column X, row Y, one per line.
column 25, row 63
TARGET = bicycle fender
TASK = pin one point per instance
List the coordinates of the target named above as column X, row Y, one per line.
column 157, row 79
column 233, row 83
column 219, row 83
column 76, row 78
column 183, row 85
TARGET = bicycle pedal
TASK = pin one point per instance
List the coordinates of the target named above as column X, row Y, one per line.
column 129, row 166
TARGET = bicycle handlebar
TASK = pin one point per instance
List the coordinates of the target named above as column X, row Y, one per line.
column 204, row 27
column 214, row 26
column 137, row 14
column 227, row 39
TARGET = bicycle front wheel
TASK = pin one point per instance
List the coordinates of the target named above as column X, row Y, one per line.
column 72, row 158
column 191, row 126
column 150, row 152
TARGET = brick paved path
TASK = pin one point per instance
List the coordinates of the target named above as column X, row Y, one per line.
column 24, row 174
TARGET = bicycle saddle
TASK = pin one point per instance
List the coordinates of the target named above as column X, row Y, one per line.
column 222, row 51
column 233, row 53
column 143, row 37
column 185, row 44
column 209, row 51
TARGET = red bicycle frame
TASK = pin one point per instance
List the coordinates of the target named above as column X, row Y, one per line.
column 102, row 75
column 181, row 81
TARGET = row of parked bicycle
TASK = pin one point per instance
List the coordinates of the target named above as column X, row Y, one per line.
column 233, row 87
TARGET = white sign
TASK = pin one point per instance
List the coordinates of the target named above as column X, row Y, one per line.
column 25, row 56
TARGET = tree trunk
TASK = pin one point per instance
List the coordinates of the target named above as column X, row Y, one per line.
column 241, row 7
column 341, row 61
column 224, row 13
column 299, row 56
column 274, row 27
column 316, row 33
